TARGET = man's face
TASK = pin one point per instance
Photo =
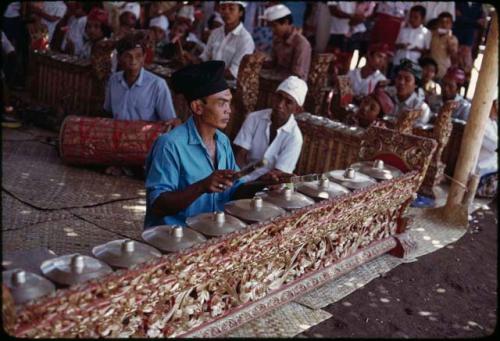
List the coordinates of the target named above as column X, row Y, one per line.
column 93, row 30
column 369, row 109
column 216, row 111
column 132, row 60
column 405, row 83
column 449, row 88
column 415, row 19
column 428, row 72
column 445, row 23
column 278, row 29
column 158, row 33
column 230, row 13
column 377, row 59
column 127, row 19
column 283, row 106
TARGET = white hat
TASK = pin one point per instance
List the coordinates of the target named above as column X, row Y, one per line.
column 160, row 22
column 132, row 7
column 276, row 12
column 187, row 13
column 295, row 87
column 242, row 3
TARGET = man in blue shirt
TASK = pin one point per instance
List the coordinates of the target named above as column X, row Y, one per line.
column 190, row 169
column 134, row 93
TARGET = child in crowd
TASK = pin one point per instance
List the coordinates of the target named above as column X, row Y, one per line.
column 96, row 29
column 414, row 40
column 444, row 45
column 430, row 87
column 74, row 38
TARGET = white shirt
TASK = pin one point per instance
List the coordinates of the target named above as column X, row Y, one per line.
column 340, row 25
column 364, row 86
column 413, row 102
column 417, row 37
column 54, row 8
column 6, row 45
column 13, row 10
column 488, row 156
column 284, row 151
column 396, row 9
column 230, row 48
column 76, row 33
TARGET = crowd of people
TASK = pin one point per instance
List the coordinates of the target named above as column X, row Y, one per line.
column 418, row 55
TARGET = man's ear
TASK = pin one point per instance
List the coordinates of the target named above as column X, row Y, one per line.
column 298, row 108
column 196, row 106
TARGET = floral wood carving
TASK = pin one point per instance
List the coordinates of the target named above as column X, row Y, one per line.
column 317, row 81
column 406, row 120
column 225, row 277
column 414, row 151
column 441, row 133
column 344, row 90
column 100, row 58
column 247, row 83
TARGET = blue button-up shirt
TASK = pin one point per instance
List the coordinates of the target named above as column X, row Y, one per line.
column 148, row 99
column 178, row 159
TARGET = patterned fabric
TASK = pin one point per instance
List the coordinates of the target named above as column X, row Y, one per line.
column 263, row 38
column 488, row 186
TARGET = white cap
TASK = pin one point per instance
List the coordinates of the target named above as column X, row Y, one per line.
column 132, row 7
column 160, row 22
column 276, row 12
column 242, row 3
column 187, row 13
column 295, row 87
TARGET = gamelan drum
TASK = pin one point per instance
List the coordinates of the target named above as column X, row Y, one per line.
column 105, row 141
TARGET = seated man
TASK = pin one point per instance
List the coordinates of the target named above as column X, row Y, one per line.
column 230, row 42
column 134, row 93
column 291, row 51
column 273, row 134
column 404, row 93
column 190, row 169
column 373, row 106
column 450, row 84
column 365, row 79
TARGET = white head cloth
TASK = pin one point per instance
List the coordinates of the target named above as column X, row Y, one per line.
column 242, row 3
column 132, row 7
column 295, row 87
column 160, row 22
column 276, row 12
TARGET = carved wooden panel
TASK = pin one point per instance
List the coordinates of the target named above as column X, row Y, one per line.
column 317, row 82
column 406, row 120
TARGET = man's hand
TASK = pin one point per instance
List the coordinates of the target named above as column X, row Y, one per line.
column 275, row 176
column 218, row 181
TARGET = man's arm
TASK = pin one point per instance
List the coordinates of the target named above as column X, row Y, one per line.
column 241, row 156
column 170, row 203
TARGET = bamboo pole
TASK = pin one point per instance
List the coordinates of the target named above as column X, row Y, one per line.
column 485, row 93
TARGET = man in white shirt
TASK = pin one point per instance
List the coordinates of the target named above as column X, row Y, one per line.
column 413, row 40
column 435, row 8
column 53, row 12
column 230, row 42
column 345, row 22
column 365, row 79
column 273, row 134
column 73, row 40
column 404, row 93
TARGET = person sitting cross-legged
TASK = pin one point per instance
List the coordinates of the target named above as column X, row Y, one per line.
column 273, row 134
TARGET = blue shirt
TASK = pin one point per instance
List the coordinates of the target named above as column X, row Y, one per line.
column 148, row 99
column 178, row 159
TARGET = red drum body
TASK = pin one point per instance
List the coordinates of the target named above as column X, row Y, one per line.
column 105, row 141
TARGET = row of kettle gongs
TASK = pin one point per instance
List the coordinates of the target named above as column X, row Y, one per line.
column 76, row 268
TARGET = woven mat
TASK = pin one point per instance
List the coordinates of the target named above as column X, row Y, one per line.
column 16, row 215
column 62, row 236
column 33, row 172
column 285, row 321
column 339, row 288
column 125, row 218
column 429, row 237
